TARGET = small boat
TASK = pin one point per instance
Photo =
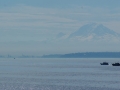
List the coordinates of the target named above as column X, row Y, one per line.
column 116, row 64
column 104, row 63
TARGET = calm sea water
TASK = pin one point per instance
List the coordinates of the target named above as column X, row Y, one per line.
column 58, row 74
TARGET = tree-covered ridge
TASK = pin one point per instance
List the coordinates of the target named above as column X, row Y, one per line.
column 86, row 55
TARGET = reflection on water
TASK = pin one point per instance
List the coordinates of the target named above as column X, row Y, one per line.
column 58, row 74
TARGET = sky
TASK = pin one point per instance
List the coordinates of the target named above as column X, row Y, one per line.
column 30, row 26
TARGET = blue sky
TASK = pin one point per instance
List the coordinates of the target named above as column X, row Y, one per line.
column 31, row 26
column 62, row 3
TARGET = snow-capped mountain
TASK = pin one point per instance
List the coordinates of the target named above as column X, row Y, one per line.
column 94, row 31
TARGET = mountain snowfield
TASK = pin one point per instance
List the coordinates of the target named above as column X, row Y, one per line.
column 93, row 32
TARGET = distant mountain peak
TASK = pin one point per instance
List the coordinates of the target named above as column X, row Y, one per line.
column 59, row 35
column 94, row 30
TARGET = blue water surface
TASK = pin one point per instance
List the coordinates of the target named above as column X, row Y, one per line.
column 59, row 74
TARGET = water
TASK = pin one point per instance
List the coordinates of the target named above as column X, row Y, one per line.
column 58, row 74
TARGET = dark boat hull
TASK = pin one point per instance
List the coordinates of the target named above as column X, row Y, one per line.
column 104, row 63
column 116, row 64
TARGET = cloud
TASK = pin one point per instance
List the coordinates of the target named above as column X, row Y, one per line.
column 48, row 22
column 29, row 29
column 66, row 20
column 23, row 16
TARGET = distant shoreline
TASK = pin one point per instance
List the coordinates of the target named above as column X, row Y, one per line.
column 85, row 55
column 71, row 55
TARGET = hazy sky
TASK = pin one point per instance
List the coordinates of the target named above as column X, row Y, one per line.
column 30, row 26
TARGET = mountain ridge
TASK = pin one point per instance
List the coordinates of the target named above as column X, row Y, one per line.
column 93, row 32
column 85, row 55
column 93, row 29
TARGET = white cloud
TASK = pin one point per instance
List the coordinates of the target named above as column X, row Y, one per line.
column 22, row 17
column 40, row 25
column 59, row 19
